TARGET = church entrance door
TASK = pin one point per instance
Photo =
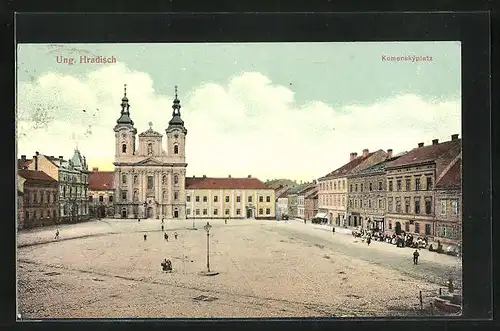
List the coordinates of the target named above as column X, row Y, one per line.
column 124, row 213
column 176, row 214
column 249, row 213
column 150, row 212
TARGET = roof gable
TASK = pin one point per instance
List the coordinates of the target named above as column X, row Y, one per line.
column 149, row 161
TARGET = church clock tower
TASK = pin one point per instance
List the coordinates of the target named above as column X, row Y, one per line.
column 124, row 132
column 176, row 133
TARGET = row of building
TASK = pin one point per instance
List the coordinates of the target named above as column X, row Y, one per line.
column 415, row 192
column 51, row 190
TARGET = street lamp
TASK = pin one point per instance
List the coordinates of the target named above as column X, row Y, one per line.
column 207, row 228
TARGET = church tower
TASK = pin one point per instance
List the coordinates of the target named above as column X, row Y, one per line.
column 176, row 133
column 124, row 132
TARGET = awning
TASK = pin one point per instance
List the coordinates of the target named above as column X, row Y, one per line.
column 321, row 215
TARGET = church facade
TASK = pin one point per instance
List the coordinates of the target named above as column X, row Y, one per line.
column 149, row 176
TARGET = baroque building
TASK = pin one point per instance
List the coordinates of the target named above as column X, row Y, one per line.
column 243, row 198
column 411, row 179
column 149, row 177
column 101, row 193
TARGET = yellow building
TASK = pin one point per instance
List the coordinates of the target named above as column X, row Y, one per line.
column 245, row 198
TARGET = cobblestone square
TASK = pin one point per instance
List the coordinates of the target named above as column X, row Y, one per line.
column 105, row 269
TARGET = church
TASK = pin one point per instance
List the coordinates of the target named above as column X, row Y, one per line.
column 149, row 177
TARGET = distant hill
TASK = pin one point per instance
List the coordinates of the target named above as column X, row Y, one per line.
column 274, row 183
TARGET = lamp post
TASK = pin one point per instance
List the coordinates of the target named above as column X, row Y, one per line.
column 207, row 228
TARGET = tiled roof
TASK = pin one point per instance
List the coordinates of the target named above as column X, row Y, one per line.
column 379, row 166
column 306, row 190
column 284, row 194
column 30, row 175
column 23, row 164
column 425, row 153
column 297, row 189
column 225, row 183
column 101, row 180
column 452, row 178
column 313, row 194
column 348, row 167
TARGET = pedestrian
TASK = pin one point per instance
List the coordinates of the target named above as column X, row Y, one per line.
column 304, row 221
column 415, row 257
column 225, row 221
column 165, row 236
column 175, row 235
column 333, row 229
column 162, row 228
column 57, row 235
column 145, row 237
column 162, row 221
column 368, row 240
column 138, row 220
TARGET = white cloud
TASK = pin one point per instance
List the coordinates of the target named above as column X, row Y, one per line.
column 248, row 126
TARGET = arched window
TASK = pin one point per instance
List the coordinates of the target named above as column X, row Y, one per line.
column 176, row 179
column 135, row 179
column 164, row 195
column 150, row 149
column 124, row 148
column 176, row 149
column 163, row 179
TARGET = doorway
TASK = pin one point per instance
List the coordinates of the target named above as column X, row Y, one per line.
column 150, row 212
column 398, row 228
column 249, row 213
column 176, row 213
column 124, row 213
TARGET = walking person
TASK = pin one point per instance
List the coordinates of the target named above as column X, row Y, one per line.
column 415, row 257
column 162, row 227
column 57, row 235
column 162, row 221
column 165, row 236
column 368, row 240
column 145, row 237
column 225, row 221
column 175, row 235
column 138, row 220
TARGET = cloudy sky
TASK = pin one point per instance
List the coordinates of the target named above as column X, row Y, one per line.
column 272, row 110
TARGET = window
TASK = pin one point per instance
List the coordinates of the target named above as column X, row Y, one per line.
column 197, row 198
column 176, row 179
column 390, row 185
column 370, row 187
column 135, row 179
column 227, row 198
column 350, row 203
column 261, row 211
column 343, row 184
column 454, row 207
column 389, row 204
column 356, row 188
column 343, row 201
column 216, row 198
column 380, row 204
column 215, row 211
column 407, row 184
column 335, row 185
column 447, row 231
column 205, row 198
column 101, row 198
column 188, row 198
column 238, row 198
column 163, row 179
column 390, row 226
column 355, row 203
column 350, row 188
column 407, row 226
column 227, row 212
column 360, row 203
column 268, row 211
column 429, row 183
column 398, row 184
column 124, row 148
column 176, row 149
column 369, row 204
column 268, row 198
column 361, row 189
column 407, row 205
column 150, row 182
column 380, row 186
column 197, row 212
column 261, row 199
column 417, row 205
column 91, row 199
column 428, row 205
column 205, row 212
column 417, row 227
column 188, row 211
column 150, row 149
column 398, row 205
column 238, row 211
column 427, row 229
column 124, row 195
column 110, row 198
column 176, row 195
column 417, row 184
column 250, row 198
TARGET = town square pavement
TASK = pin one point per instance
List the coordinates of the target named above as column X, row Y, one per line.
column 105, row 269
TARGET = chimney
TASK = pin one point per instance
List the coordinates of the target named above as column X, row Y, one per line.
column 229, row 176
column 454, row 136
column 35, row 158
column 389, row 153
column 351, row 156
column 204, row 176
column 23, row 157
column 435, row 141
column 37, row 153
column 95, row 169
column 365, row 152
column 249, row 176
column 420, row 145
column 194, row 176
